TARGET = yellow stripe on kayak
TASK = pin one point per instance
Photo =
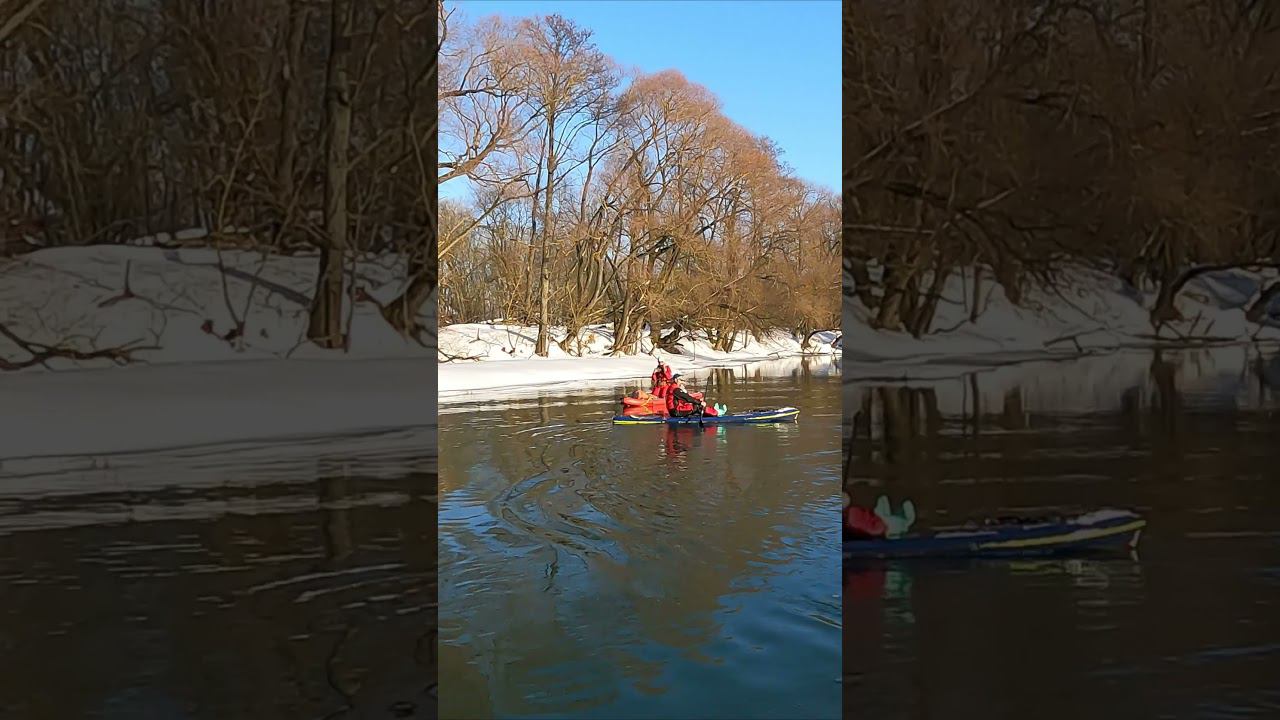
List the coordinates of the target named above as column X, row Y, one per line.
column 1073, row 536
column 756, row 418
column 775, row 416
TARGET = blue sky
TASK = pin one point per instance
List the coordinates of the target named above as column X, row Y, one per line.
column 774, row 64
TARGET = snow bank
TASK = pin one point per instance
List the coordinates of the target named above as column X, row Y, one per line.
column 496, row 356
column 195, row 388
column 76, row 295
column 604, row 385
column 1097, row 312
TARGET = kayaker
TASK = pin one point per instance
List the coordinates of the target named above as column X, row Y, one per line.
column 661, row 389
column 661, row 375
column 681, row 404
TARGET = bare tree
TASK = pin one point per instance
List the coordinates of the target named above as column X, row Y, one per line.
column 650, row 210
column 566, row 75
column 325, row 328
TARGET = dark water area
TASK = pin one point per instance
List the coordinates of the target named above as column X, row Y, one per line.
column 598, row 571
column 266, row 582
column 1189, row 627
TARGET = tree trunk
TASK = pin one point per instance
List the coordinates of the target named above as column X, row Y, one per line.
column 862, row 284
column 668, row 341
column 544, row 315
column 889, row 314
column 402, row 313
column 925, row 311
column 526, row 306
column 1257, row 312
column 423, row 264
column 1165, row 310
column 976, row 393
column 808, row 338
column 325, row 328
column 655, row 328
column 976, row 310
column 1169, row 400
column 17, row 17
column 291, row 101
column 1008, row 279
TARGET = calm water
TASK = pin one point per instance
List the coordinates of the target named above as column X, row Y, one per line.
column 281, row 582
column 596, row 571
column 1190, row 628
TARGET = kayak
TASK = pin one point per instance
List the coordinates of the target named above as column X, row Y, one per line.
column 653, row 402
column 751, row 417
column 1103, row 529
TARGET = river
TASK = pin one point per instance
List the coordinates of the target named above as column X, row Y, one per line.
column 267, row 580
column 590, row 570
column 1187, row 627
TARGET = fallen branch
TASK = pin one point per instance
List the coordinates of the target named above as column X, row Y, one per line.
column 414, row 329
column 1074, row 338
column 125, row 294
column 1182, row 341
column 41, row 353
column 451, row 358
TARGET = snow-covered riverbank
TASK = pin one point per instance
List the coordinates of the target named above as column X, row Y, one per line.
column 192, row 387
column 498, row 357
column 179, row 305
column 189, row 385
column 1093, row 313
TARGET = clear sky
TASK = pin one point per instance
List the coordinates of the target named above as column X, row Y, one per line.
column 774, row 64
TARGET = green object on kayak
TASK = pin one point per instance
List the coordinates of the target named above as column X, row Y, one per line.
column 896, row 525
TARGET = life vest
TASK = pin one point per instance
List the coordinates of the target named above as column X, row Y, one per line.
column 674, row 405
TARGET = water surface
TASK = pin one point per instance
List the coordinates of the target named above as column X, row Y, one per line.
column 242, row 581
column 599, row 571
column 1189, row 627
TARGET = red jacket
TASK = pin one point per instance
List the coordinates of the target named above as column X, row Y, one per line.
column 679, row 400
column 663, row 374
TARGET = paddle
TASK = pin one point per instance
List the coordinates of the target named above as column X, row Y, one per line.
column 702, row 410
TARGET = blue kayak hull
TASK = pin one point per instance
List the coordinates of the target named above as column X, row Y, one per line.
column 755, row 417
column 1088, row 533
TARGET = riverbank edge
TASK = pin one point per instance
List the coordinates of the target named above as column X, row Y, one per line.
column 500, row 357
column 486, row 377
column 97, row 413
column 858, row 367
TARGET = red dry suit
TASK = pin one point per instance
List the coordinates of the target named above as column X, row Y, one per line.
column 679, row 402
column 662, row 373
